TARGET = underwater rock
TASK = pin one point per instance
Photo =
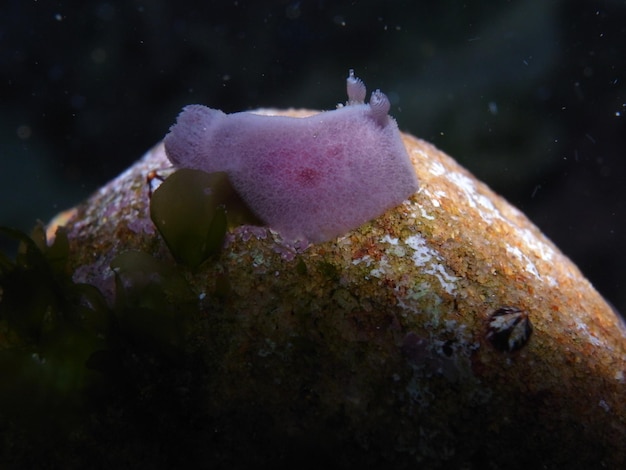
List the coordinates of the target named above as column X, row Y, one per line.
column 448, row 332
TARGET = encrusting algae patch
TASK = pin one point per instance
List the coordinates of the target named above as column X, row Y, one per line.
column 377, row 347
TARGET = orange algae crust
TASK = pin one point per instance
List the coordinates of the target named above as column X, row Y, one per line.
column 372, row 348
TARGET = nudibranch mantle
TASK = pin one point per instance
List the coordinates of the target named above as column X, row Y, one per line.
column 312, row 178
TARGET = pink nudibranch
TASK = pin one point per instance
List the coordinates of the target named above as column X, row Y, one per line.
column 312, row 178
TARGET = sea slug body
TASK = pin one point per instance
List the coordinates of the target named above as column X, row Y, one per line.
column 312, row 178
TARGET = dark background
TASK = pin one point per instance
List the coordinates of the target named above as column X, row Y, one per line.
column 527, row 94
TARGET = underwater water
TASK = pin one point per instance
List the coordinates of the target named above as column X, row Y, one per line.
column 528, row 95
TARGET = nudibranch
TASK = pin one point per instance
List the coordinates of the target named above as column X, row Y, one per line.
column 312, row 178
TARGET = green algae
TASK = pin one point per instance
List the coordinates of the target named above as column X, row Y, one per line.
column 193, row 210
column 66, row 355
column 153, row 300
column 50, row 326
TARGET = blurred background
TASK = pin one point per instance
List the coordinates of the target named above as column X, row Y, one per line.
column 529, row 95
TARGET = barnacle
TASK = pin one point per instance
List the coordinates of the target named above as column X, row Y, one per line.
column 509, row 328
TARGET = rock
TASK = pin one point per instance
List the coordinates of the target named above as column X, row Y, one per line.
column 449, row 332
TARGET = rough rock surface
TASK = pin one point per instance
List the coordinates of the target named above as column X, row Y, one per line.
column 372, row 349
